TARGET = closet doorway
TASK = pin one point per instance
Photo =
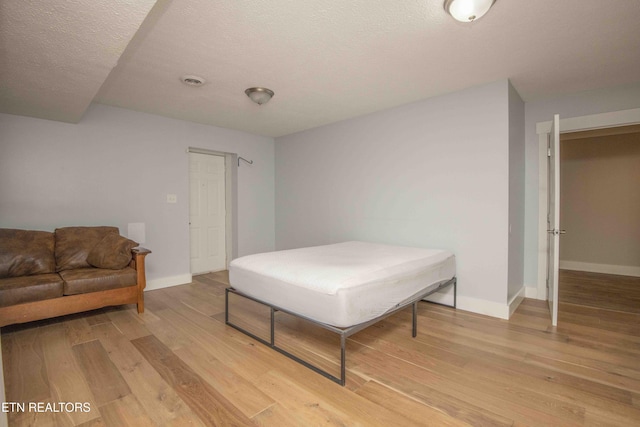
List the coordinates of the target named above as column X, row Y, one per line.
column 600, row 210
column 618, row 122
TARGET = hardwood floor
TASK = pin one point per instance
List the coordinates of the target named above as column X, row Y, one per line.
column 606, row 291
column 178, row 364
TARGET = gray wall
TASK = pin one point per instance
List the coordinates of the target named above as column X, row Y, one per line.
column 54, row 174
column 574, row 105
column 428, row 174
column 116, row 167
column 516, row 193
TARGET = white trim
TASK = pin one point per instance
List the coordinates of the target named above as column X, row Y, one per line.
column 230, row 176
column 542, row 213
column 571, row 124
column 622, row 270
column 230, row 165
column 516, row 300
column 166, row 282
column 444, row 296
column 594, row 121
column 197, row 150
column 532, row 292
column 481, row 306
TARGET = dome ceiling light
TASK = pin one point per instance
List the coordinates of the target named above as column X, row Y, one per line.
column 259, row 95
column 467, row 10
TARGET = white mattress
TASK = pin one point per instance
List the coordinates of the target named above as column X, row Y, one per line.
column 342, row 284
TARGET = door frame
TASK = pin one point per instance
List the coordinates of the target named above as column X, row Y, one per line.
column 571, row 124
column 231, row 199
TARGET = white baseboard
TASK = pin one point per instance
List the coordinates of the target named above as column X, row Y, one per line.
column 531, row 292
column 166, row 282
column 473, row 305
column 623, row 270
column 516, row 300
column 480, row 306
column 444, row 296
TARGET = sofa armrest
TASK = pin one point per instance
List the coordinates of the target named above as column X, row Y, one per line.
column 137, row 263
column 140, row 251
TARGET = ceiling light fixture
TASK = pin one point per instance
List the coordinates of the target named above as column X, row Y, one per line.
column 467, row 10
column 259, row 95
column 190, row 80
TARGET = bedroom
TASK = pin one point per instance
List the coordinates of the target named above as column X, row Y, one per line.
column 471, row 207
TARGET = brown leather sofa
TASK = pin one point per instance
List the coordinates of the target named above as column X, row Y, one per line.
column 73, row 269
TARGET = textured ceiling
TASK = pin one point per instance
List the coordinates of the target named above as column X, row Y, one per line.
column 326, row 60
column 55, row 54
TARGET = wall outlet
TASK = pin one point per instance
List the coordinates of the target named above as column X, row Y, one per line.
column 172, row 198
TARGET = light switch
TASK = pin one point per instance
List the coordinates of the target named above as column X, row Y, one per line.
column 172, row 198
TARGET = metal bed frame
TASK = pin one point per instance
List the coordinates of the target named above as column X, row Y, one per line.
column 343, row 332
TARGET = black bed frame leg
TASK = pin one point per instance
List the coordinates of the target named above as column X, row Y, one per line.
column 455, row 292
column 226, row 306
column 343, row 359
column 414, row 331
column 273, row 328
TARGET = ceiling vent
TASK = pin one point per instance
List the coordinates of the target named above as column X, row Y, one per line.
column 190, row 80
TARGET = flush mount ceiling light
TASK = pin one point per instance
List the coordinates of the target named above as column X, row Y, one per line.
column 259, row 95
column 467, row 10
column 190, row 80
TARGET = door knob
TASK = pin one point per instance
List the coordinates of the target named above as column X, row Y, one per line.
column 555, row 231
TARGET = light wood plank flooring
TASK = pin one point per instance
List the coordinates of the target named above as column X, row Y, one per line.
column 178, row 364
column 605, row 291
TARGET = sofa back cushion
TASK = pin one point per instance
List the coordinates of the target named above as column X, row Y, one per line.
column 112, row 252
column 73, row 245
column 26, row 252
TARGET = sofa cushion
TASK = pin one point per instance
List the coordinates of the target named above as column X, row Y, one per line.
column 85, row 280
column 26, row 252
column 73, row 245
column 18, row 290
column 112, row 252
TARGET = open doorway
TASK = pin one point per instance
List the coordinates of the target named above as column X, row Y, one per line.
column 600, row 211
column 575, row 124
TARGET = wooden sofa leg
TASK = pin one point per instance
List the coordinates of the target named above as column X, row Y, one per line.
column 139, row 255
column 141, row 285
column 140, row 301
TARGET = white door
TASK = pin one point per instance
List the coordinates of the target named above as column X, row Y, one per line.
column 207, row 213
column 553, row 218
